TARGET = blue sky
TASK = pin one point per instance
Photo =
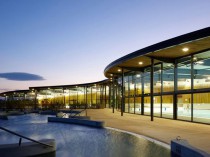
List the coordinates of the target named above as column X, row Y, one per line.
column 72, row 41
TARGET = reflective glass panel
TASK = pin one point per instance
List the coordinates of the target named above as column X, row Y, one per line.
column 201, row 107
column 167, row 106
column 157, row 106
column 202, row 70
column 138, row 105
column 147, row 105
column 184, row 107
column 184, row 73
column 168, row 77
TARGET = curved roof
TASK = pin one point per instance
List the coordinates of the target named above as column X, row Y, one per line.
column 16, row 92
column 166, row 51
column 69, row 86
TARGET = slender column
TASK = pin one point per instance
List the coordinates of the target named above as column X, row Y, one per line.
column 113, row 96
column 85, row 97
column 110, row 93
column 91, row 97
column 96, row 96
column 77, row 97
column 69, row 97
column 128, row 97
column 161, row 90
column 152, row 89
column 192, row 85
column 142, row 94
column 105, row 95
column 175, row 92
column 134, row 97
column 35, row 104
column 122, row 93
column 64, row 98
column 116, row 96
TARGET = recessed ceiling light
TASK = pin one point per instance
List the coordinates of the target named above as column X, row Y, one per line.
column 185, row 49
column 111, row 74
column 140, row 63
column 119, row 70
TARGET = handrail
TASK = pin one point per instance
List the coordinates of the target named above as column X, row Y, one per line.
column 25, row 137
column 64, row 115
column 78, row 113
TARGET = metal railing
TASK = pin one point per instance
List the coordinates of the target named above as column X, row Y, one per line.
column 21, row 136
column 78, row 113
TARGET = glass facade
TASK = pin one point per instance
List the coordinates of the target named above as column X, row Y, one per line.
column 169, row 81
column 175, row 89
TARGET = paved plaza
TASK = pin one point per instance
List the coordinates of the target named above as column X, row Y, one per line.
column 198, row 135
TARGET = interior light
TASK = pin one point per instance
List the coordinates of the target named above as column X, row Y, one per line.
column 111, row 74
column 185, row 49
column 140, row 63
column 138, row 75
column 119, row 70
column 200, row 62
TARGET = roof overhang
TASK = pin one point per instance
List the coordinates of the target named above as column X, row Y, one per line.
column 166, row 51
column 69, row 86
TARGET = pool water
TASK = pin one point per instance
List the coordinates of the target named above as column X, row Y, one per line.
column 80, row 141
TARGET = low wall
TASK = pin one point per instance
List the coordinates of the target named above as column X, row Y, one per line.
column 97, row 124
column 29, row 149
column 3, row 117
column 181, row 148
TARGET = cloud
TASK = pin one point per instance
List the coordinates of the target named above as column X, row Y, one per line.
column 21, row 76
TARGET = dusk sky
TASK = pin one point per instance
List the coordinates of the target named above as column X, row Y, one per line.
column 60, row 42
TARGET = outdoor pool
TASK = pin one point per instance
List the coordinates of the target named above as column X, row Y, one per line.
column 81, row 141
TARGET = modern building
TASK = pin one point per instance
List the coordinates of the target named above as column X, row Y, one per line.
column 170, row 79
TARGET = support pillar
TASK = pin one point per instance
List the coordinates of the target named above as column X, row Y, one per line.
column 152, row 89
column 122, row 94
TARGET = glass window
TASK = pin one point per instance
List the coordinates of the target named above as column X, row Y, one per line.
column 184, row 73
column 201, row 70
column 126, row 85
column 157, row 106
column 168, row 77
column 138, row 105
column 147, row 105
column 167, row 106
column 147, row 83
column 201, row 107
column 157, row 79
column 131, row 85
column 126, row 104
column 138, row 84
column 131, row 105
column 184, row 107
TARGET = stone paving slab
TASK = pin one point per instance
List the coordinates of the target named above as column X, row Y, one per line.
column 164, row 130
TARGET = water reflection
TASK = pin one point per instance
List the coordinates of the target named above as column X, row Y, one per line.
column 80, row 141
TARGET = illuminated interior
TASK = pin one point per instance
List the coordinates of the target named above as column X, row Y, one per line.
column 170, row 79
